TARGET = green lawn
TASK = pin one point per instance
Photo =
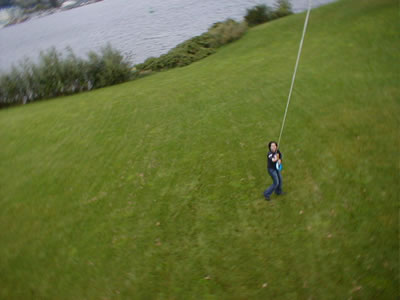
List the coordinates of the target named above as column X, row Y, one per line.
column 153, row 189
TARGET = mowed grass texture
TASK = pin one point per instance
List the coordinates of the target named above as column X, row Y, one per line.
column 153, row 189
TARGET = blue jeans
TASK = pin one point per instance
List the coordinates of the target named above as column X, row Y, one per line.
column 276, row 184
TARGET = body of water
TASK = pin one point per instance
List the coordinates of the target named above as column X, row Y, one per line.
column 138, row 28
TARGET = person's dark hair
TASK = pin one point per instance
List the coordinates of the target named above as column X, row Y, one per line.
column 272, row 142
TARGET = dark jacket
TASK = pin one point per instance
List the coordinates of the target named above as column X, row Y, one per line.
column 271, row 164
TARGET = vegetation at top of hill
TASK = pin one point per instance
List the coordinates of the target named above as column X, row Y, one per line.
column 57, row 75
column 196, row 48
column 221, row 33
column 262, row 13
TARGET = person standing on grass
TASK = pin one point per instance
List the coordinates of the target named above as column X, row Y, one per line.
column 274, row 156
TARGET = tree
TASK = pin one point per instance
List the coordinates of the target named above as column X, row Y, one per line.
column 258, row 14
column 282, row 8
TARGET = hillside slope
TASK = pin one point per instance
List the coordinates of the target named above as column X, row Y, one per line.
column 153, row 189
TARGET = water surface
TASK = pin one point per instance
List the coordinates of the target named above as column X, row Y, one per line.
column 138, row 28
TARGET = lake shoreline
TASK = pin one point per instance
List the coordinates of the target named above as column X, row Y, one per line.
column 138, row 29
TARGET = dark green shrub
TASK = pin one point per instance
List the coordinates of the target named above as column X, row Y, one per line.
column 182, row 55
column 28, row 80
column 107, row 68
column 282, row 8
column 116, row 68
column 226, row 32
column 258, row 15
column 11, row 87
column 74, row 73
column 263, row 13
column 49, row 74
column 196, row 48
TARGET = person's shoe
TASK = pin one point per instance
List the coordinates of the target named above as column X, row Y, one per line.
column 281, row 194
column 268, row 198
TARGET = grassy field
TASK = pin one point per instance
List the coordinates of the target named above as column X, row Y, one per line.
column 153, row 189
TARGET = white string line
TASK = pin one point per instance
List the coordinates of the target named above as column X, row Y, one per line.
column 295, row 70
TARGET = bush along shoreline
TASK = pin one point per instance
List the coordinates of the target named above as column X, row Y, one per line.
column 58, row 74
column 196, row 48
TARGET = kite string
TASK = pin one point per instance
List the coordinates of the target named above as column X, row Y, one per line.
column 295, row 70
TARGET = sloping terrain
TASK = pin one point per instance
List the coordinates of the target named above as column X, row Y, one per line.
column 153, row 189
